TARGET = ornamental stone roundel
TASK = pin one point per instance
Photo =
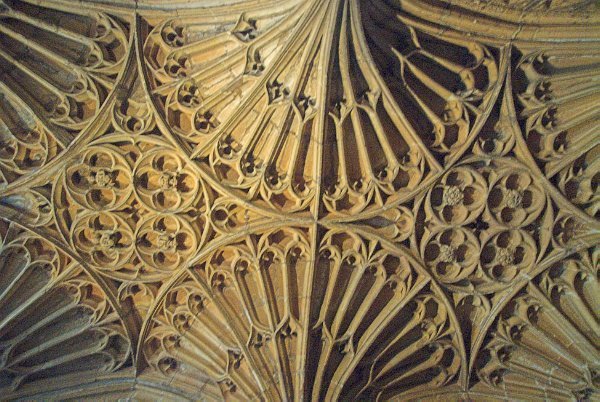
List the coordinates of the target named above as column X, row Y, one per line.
column 300, row 200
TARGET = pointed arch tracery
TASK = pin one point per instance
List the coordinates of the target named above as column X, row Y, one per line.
column 301, row 200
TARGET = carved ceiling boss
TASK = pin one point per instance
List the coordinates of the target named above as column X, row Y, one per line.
column 300, row 200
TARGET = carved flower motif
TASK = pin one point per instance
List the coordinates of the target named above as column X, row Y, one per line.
column 104, row 238
column 507, row 254
column 458, row 197
column 100, row 180
column 515, row 199
column 164, row 242
column 164, row 183
column 452, row 254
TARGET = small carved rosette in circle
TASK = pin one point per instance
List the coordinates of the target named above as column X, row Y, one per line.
column 164, row 183
column 507, row 255
column 100, row 180
column 515, row 199
column 104, row 239
column 164, row 242
column 452, row 254
column 484, row 225
column 459, row 197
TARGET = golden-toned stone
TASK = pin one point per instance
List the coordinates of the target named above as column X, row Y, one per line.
column 300, row 200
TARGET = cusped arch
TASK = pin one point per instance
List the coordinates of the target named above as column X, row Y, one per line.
column 55, row 320
column 273, row 315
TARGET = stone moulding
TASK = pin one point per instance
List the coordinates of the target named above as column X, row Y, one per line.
column 300, row 200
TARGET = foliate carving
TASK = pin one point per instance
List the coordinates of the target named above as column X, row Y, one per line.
column 165, row 241
column 515, row 199
column 104, row 239
column 100, row 180
column 458, row 197
column 483, row 225
column 133, row 210
column 452, row 254
column 507, row 255
column 164, row 183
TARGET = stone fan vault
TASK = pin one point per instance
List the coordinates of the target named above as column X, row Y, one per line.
column 300, row 199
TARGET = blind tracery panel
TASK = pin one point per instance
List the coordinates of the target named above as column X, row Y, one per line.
column 300, row 200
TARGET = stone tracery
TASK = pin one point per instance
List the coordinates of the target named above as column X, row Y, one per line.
column 295, row 200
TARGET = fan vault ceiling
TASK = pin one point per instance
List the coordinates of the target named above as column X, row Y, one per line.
column 300, row 200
